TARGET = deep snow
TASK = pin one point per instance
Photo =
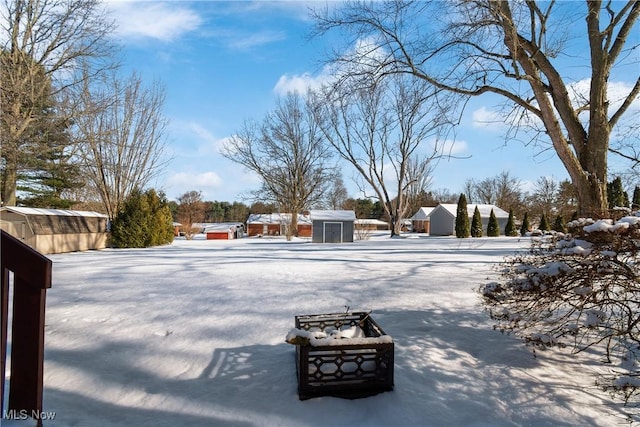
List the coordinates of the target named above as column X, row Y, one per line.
column 192, row 334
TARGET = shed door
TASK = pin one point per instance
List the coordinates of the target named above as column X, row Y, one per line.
column 333, row 232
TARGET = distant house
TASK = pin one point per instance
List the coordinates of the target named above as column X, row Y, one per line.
column 443, row 218
column 176, row 228
column 275, row 224
column 332, row 226
column 371, row 224
column 223, row 231
column 51, row 231
column 420, row 221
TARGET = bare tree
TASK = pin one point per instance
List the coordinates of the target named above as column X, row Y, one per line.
column 120, row 137
column 502, row 190
column 566, row 201
column 382, row 130
column 43, row 42
column 190, row 210
column 579, row 291
column 543, row 199
column 289, row 154
column 337, row 194
column 511, row 49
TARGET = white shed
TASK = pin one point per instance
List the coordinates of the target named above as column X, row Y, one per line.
column 443, row 218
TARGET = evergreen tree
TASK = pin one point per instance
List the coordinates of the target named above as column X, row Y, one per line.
column 544, row 223
column 129, row 227
column 476, row 223
column 462, row 218
column 493, row 228
column 37, row 166
column 616, row 196
column 161, row 221
column 144, row 220
column 559, row 225
column 635, row 205
column 525, row 227
column 50, row 173
column 510, row 228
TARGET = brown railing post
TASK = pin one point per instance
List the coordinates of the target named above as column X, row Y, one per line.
column 31, row 277
column 4, row 318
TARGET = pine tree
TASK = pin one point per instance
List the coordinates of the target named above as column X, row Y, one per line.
column 559, row 225
column 616, row 196
column 45, row 167
column 51, row 174
column 129, row 228
column 476, row 223
column 510, row 228
column 526, row 227
column 493, row 228
column 544, row 223
column 144, row 220
column 462, row 218
column 636, row 198
column 161, row 221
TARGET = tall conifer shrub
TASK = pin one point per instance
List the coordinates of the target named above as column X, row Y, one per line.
column 544, row 223
column 476, row 223
column 493, row 228
column 510, row 228
column 144, row 220
column 462, row 218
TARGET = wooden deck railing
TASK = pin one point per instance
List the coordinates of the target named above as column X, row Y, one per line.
column 31, row 277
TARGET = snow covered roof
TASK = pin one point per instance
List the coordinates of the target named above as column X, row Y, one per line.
column 51, row 212
column 371, row 222
column 333, row 215
column 422, row 214
column 485, row 210
column 276, row 218
column 221, row 227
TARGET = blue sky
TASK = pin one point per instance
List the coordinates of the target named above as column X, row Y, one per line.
column 224, row 62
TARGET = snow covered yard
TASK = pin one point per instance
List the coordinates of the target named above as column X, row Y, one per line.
column 192, row 334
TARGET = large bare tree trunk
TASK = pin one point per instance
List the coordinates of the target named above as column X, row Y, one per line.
column 508, row 48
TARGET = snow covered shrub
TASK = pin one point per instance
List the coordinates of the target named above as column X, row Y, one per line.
column 579, row 290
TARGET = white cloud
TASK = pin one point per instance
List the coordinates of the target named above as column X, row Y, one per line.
column 300, row 83
column 210, row 144
column 449, row 147
column 197, row 180
column 161, row 21
column 365, row 53
column 486, row 119
column 616, row 94
column 245, row 42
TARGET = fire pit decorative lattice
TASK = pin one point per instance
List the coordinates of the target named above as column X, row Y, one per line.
column 341, row 354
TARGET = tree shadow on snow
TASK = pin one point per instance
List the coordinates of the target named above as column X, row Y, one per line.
column 448, row 371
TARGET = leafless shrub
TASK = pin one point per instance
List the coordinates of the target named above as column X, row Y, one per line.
column 579, row 290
